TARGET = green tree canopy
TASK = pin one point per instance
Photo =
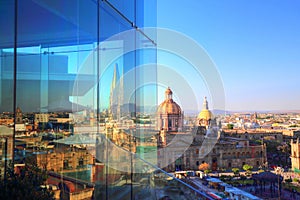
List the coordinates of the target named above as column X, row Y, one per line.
column 247, row 167
column 230, row 126
column 235, row 170
column 25, row 185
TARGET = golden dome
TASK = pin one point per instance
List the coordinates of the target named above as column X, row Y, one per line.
column 169, row 106
column 205, row 114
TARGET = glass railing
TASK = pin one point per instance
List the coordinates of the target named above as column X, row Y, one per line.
column 152, row 184
column 133, row 177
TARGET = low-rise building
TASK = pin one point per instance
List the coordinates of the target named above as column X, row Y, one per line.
column 65, row 159
column 6, row 148
column 295, row 155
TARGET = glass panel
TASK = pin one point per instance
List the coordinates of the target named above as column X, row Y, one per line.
column 125, row 8
column 55, row 39
column 146, row 14
column 141, row 13
column 6, row 86
column 85, row 97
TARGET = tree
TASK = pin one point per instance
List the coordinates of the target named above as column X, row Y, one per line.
column 285, row 149
column 230, row 126
column 25, row 184
column 236, row 171
column 207, row 171
column 248, row 169
column 203, row 166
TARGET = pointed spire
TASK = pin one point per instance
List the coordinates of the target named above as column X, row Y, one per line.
column 205, row 104
column 113, row 85
column 115, row 77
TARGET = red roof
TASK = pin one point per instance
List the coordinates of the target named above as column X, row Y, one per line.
column 70, row 186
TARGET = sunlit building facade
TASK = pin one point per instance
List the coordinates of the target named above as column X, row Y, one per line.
column 295, row 155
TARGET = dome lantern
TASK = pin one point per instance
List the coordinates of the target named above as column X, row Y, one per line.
column 205, row 104
column 169, row 106
column 168, row 93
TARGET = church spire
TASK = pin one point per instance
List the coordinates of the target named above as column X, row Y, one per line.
column 115, row 78
column 113, row 85
column 205, row 104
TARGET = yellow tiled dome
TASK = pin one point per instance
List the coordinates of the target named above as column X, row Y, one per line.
column 205, row 114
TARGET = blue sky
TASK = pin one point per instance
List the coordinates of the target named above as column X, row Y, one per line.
column 254, row 44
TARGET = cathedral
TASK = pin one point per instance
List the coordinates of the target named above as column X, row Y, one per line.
column 185, row 148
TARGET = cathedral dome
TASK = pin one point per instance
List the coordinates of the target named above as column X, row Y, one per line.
column 169, row 106
column 205, row 114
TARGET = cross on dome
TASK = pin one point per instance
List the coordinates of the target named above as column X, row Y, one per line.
column 168, row 93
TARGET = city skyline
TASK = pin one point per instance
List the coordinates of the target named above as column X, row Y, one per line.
column 108, row 100
column 254, row 45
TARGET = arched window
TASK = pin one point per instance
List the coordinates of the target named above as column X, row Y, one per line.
column 80, row 162
column 248, row 154
column 229, row 164
column 170, row 123
column 66, row 164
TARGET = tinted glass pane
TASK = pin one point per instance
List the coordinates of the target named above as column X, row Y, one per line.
column 6, row 85
column 78, row 77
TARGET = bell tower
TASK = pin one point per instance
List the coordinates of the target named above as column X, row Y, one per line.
column 19, row 116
